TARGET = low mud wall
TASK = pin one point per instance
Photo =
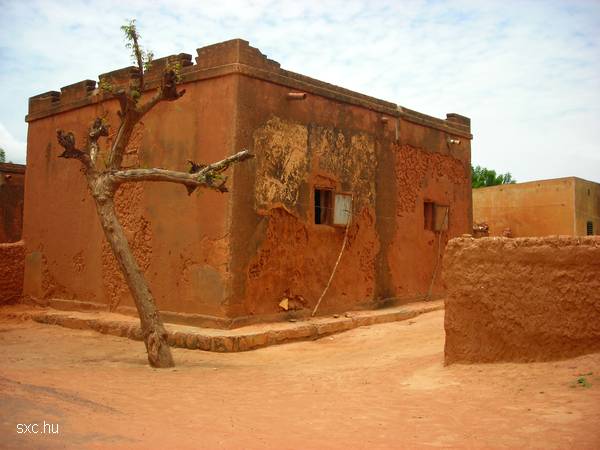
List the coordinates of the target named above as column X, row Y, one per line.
column 12, row 259
column 524, row 299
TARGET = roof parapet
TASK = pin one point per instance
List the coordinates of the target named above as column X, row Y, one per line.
column 233, row 56
column 234, row 51
column 76, row 91
column 119, row 78
column 12, row 168
column 182, row 60
column 44, row 102
column 459, row 119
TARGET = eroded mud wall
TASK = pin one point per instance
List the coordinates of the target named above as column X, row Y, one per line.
column 12, row 257
column 277, row 248
column 180, row 241
column 524, row 299
column 285, row 251
column 426, row 169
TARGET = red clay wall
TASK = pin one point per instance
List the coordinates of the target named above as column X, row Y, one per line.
column 277, row 248
column 180, row 241
column 239, row 254
column 12, row 257
column 524, row 299
column 12, row 187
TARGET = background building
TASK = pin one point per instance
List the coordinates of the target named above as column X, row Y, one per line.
column 12, row 185
column 563, row 206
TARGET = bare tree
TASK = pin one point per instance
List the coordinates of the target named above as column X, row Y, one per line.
column 104, row 179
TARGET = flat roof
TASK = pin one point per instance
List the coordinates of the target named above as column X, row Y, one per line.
column 12, row 168
column 544, row 181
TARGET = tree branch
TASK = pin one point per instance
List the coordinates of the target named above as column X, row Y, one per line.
column 97, row 130
column 128, row 121
column 170, row 176
column 166, row 92
column 221, row 166
column 67, row 141
column 125, row 102
column 138, row 56
column 207, row 177
column 131, row 114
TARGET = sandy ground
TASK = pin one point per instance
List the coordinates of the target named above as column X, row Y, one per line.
column 382, row 386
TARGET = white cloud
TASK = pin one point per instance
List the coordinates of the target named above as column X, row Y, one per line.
column 14, row 149
column 526, row 72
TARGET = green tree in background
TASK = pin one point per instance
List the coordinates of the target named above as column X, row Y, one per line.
column 482, row 177
column 2, row 155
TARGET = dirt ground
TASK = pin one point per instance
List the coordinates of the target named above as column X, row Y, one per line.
column 382, row 386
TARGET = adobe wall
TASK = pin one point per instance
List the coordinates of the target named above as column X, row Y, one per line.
column 346, row 143
column 237, row 255
column 524, row 299
column 536, row 208
column 12, row 187
column 12, row 256
column 180, row 241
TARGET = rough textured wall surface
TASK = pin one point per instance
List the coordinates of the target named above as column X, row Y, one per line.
column 296, row 257
column 524, row 299
column 12, row 259
column 282, row 164
column 277, row 248
column 12, row 187
column 421, row 176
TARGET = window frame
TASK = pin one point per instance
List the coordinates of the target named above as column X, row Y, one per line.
column 331, row 216
column 428, row 215
column 351, row 198
column 431, row 209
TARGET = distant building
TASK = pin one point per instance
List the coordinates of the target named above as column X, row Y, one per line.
column 12, row 185
column 563, row 206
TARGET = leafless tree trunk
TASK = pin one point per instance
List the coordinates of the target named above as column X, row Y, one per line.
column 104, row 183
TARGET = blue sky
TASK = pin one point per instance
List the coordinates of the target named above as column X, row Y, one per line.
column 526, row 72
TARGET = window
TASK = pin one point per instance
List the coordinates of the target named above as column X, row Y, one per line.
column 440, row 217
column 342, row 209
column 435, row 217
column 590, row 228
column 428, row 215
column 323, row 205
column 332, row 208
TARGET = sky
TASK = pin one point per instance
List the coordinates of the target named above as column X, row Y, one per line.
column 527, row 73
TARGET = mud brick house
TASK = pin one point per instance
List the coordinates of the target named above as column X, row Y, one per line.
column 327, row 159
column 562, row 206
column 12, row 185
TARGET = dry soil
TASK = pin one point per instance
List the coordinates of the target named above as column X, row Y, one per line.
column 382, row 386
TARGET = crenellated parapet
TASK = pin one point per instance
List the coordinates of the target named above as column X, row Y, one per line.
column 234, row 51
column 235, row 56
column 43, row 104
